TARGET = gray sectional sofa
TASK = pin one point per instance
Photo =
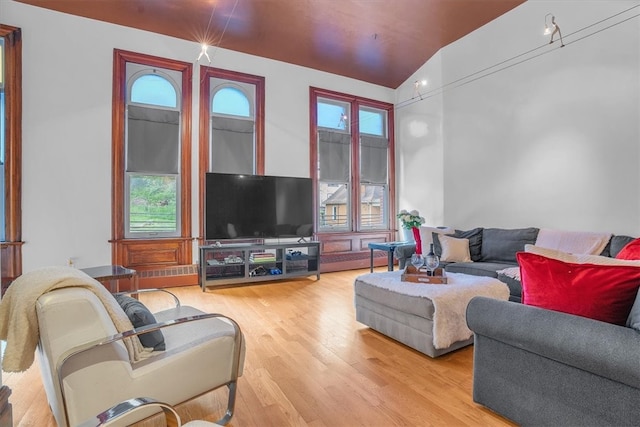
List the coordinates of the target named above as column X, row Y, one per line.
column 494, row 249
column 546, row 368
column 543, row 367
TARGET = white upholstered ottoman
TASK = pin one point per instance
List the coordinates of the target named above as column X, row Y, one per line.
column 427, row 318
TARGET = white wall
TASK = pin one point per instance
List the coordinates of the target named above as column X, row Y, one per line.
column 67, row 82
column 419, row 142
column 551, row 142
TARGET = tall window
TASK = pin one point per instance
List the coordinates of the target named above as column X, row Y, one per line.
column 232, row 142
column 232, row 104
column 352, row 152
column 152, row 174
column 10, row 152
column 151, row 149
column 3, row 114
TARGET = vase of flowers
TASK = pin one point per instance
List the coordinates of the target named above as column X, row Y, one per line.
column 412, row 221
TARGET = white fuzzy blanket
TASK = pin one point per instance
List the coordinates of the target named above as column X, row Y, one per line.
column 573, row 242
column 449, row 301
column 19, row 321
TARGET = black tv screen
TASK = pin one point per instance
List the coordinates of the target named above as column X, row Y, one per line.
column 257, row 206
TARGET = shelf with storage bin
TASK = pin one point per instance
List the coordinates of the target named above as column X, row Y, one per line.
column 237, row 264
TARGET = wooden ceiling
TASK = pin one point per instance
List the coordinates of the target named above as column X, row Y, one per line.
column 377, row 41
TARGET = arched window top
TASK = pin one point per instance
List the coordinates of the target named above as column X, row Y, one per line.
column 231, row 101
column 154, row 89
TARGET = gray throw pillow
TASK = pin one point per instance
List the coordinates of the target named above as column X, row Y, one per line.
column 475, row 242
column 501, row 244
column 617, row 243
column 140, row 316
column 633, row 321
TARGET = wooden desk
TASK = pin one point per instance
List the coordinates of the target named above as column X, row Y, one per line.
column 112, row 274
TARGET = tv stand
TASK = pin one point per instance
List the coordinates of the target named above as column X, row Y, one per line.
column 243, row 263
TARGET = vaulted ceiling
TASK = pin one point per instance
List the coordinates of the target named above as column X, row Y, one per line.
column 378, row 41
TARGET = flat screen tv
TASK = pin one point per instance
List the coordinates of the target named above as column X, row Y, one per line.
column 257, row 207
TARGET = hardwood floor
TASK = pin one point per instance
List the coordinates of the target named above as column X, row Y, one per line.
column 309, row 363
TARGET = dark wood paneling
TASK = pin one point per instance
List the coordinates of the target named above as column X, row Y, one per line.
column 354, row 250
column 142, row 254
column 378, row 42
column 337, row 245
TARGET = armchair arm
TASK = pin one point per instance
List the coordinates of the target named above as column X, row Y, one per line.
column 121, row 409
column 75, row 351
column 601, row 348
column 143, row 291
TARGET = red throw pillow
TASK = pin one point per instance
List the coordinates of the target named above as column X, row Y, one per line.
column 600, row 292
column 630, row 251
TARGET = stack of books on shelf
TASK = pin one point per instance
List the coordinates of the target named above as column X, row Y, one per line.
column 262, row 257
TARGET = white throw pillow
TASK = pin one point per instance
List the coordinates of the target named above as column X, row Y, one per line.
column 454, row 249
column 579, row 258
column 426, row 236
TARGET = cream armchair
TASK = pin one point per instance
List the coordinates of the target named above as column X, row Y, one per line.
column 114, row 415
column 86, row 367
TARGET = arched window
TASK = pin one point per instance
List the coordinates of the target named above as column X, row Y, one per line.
column 237, row 98
column 152, row 156
column 232, row 139
column 231, row 101
column 153, row 89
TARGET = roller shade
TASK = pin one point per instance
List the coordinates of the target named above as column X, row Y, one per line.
column 153, row 140
column 374, row 153
column 232, row 145
column 333, row 153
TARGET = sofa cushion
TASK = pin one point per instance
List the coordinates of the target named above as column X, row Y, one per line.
column 515, row 287
column 501, row 245
column 600, row 292
column 475, row 242
column 489, row 269
column 454, row 249
column 140, row 316
column 630, row 251
column 633, row 321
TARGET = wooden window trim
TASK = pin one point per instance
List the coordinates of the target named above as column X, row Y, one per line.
column 355, row 102
column 206, row 73
column 125, row 251
column 11, row 248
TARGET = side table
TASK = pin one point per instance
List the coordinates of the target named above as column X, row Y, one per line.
column 388, row 247
column 112, row 274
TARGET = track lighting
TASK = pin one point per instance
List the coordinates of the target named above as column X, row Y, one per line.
column 552, row 29
column 417, row 85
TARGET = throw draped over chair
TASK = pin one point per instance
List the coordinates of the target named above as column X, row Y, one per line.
column 86, row 362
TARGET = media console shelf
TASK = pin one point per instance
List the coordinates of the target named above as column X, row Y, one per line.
column 236, row 263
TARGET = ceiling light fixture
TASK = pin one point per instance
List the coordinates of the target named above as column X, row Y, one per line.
column 552, row 29
column 204, row 46
column 204, row 52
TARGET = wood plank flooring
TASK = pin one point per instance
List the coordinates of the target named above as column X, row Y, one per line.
column 309, row 363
